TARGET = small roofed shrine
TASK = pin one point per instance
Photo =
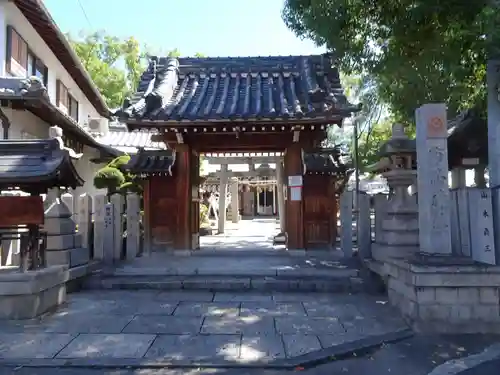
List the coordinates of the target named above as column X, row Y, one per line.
column 33, row 167
column 467, row 147
column 242, row 104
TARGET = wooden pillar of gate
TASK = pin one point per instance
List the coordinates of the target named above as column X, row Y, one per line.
column 294, row 208
column 183, row 191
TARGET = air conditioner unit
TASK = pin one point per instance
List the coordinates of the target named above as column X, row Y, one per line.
column 98, row 125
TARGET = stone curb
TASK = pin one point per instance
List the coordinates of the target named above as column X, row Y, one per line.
column 462, row 365
column 338, row 352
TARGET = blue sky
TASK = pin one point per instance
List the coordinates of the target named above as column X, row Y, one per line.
column 212, row 27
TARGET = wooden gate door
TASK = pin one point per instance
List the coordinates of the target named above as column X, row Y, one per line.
column 163, row 205
column 319, row 212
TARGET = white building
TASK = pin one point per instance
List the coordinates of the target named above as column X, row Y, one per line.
column 31, row 44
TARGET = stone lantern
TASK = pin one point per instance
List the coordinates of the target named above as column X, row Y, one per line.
column 399, row 224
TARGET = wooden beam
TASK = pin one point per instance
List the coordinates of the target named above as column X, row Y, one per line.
column 241, row 160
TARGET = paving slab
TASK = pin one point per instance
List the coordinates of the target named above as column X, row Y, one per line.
column 110, row 346
column 296, row 345
column 86, row 323
column 207, row 309
column 180, row 296
column 243, row 297
column 32, row 345
column 234, row 329
column 253, row 325
column 195, row 347
column 272, row 309
column 164, row 325
column 262, row 348
column 309, row 325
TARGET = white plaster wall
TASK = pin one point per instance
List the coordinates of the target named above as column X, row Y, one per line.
column 11, row 15
column 25, row 123
column 86, row 169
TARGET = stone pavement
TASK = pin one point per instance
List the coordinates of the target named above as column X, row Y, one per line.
column 190, row 328
column 248, row 234
column 416, row 356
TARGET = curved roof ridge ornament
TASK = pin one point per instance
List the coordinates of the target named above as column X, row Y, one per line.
column 56, row 133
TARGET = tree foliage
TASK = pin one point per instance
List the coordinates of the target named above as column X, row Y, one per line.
column 114, row 64
column 417, row 51
column 115, row 178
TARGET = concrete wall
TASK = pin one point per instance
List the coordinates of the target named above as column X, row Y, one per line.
column 10, row 15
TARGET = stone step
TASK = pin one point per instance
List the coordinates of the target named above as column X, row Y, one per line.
column 235, row 283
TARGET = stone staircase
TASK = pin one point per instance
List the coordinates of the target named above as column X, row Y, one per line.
column 236, row 272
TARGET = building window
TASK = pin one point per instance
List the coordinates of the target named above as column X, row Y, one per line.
column 66, row 102
column 20, row 60
column 73, row 108
column 62, row 96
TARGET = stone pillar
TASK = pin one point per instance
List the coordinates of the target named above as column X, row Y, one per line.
column 222, row 197
column 117, row 201
column 433, row 194
column 108, row 254
column 69, row 201
column 133, row 226
column 380, row 201
column 479, row 177
column 364, row 226
column 100, row 202
column 85, row 219
column 280, row 177
column 235, row 214
column 492, row 85
column 458, row 178
column 64, row 245
column 346, row 203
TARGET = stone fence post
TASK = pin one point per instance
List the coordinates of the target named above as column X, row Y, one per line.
column 100, row 202
column 85, row 220
column 108, row 234
column 364, row 226
column 118, row 207
column 133, row 226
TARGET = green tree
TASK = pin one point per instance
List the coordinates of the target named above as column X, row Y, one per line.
column 417, row 51
column 114, row 64
column 115, row 178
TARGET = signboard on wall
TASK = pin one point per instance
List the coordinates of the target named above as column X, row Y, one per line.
column 295, row 181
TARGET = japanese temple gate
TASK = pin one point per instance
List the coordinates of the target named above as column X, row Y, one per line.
column 254, row 104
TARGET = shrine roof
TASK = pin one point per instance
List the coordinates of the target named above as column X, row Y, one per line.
column 151, row 162
column 238, row 88
column 36, row 165
column 467, row 139
column 326, row 161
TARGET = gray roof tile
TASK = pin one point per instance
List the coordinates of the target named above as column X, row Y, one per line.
column 36, row 165
column 247, row 88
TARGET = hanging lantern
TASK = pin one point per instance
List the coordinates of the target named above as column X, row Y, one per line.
column 270, row 188
column 245, row 188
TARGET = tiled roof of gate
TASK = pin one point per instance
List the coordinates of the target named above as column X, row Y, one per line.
column 32, row 165
column 232, row 88
column 151, row 162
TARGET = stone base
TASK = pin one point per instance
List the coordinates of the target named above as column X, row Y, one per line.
column 382, row 252
column 445, row 296
column 32, row 293
column 70, row 257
